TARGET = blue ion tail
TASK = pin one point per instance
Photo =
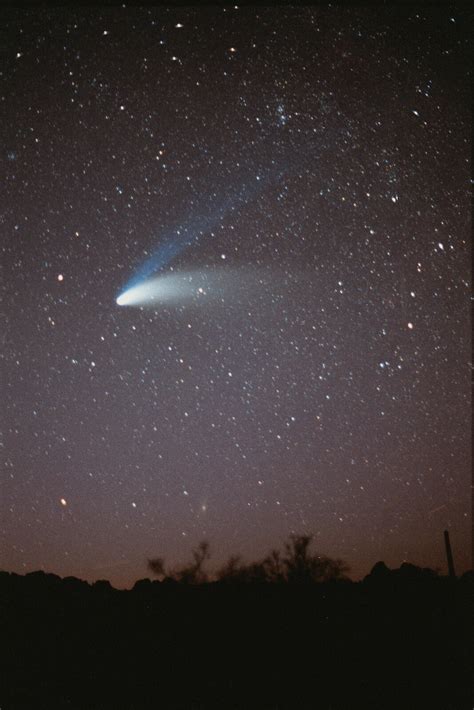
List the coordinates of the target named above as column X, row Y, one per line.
column 190, row 232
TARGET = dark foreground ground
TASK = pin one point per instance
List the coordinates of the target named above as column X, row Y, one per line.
column 399, row 642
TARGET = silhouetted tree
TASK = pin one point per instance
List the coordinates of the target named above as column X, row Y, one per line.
column 231, row 571
column 192, row 573
column 302, row 567
column 274, row 567
column 298, row 562
column 157, row 566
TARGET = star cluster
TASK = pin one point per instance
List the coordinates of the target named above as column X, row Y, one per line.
column 322, row 153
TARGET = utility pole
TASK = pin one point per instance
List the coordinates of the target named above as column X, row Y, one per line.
column 449, row 555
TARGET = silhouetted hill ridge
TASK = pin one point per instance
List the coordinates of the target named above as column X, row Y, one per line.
column 333, row 645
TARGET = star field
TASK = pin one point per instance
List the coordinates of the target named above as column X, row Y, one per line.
column 317, row 161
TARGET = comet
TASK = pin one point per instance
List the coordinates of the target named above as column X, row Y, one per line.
column 185, row 286
column 224, row 286
column 141, row 288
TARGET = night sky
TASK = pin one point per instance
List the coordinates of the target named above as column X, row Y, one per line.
column 301, row 178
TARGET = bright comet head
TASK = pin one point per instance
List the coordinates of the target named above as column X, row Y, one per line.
column 134, row 296
column 130, row 297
